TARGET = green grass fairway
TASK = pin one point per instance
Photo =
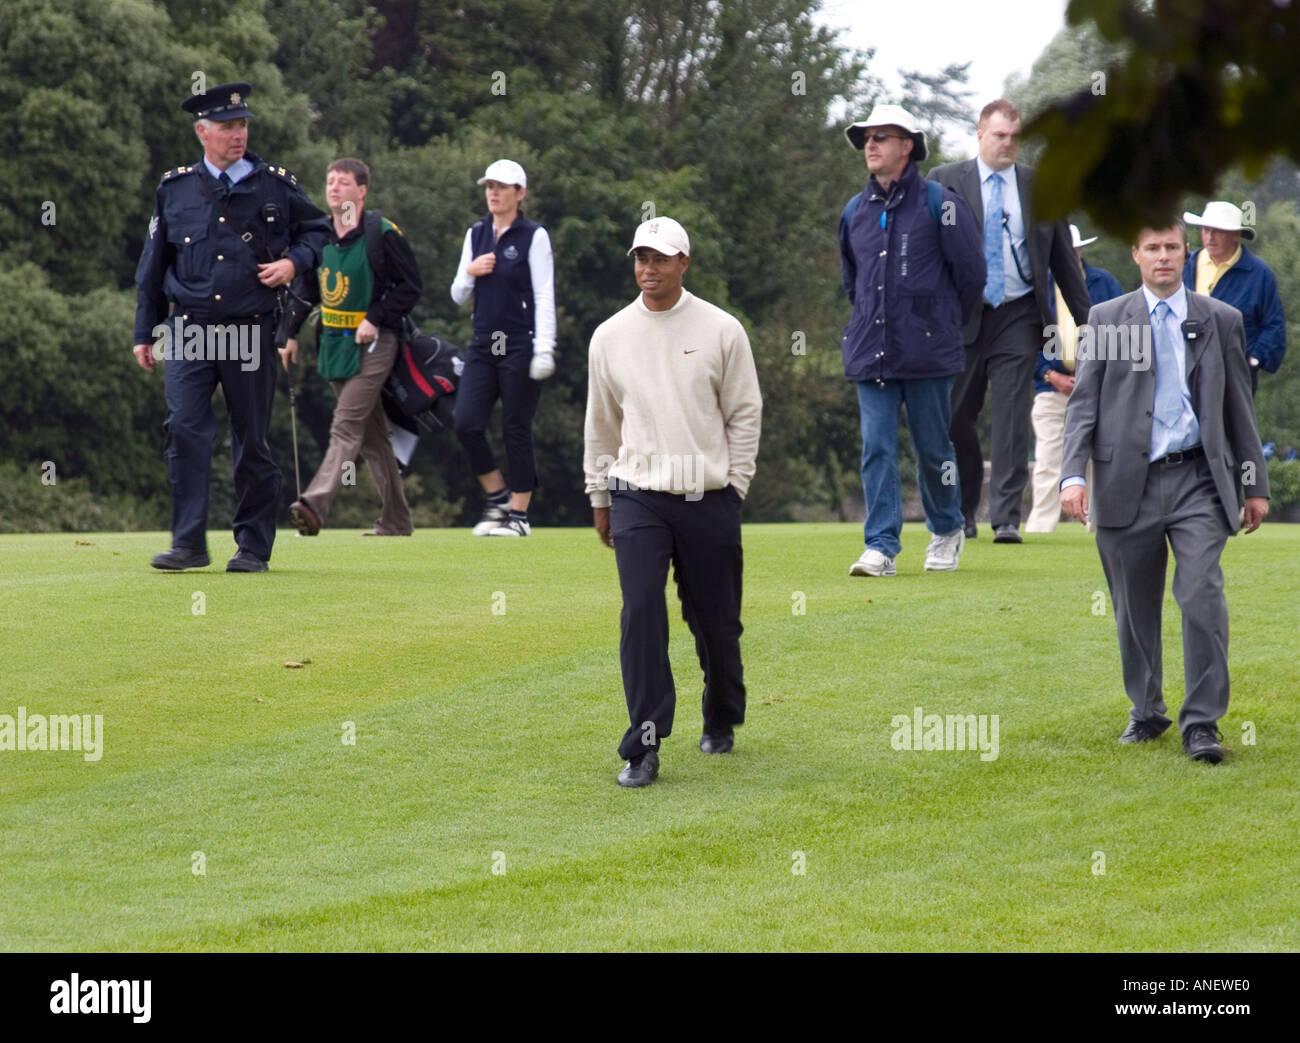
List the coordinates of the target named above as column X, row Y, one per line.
column 477, row 808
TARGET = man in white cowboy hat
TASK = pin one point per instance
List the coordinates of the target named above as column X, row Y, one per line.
column 1053, row 382
column 1004, row 336
column 1229, row 272
column 912, row 268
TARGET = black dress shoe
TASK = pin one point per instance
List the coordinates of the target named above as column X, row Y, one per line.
column 1142, row 731
column 971, row 530
column 179, row 558
column 718, row 742
column 640, row 771
column 1007, row 534
column 245, row 562
column 1201, row 741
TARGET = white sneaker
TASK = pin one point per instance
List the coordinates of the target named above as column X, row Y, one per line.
column 493, row 517
column 512, row 527
column 873, row 563
column 943, row 552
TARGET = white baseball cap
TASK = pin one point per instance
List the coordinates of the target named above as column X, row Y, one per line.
column 662, row 234
column 1222, row 215
column 507, row 171
column 888, row 116
column 1076, row 241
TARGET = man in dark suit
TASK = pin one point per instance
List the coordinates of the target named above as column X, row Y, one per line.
column 1004, row 336
column 1162, row 405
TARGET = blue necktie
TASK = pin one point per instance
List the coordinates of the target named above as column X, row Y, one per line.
column 995, row 287
column 225, row 183
column 1169, row 392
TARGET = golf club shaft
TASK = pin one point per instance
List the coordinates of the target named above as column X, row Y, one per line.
column 293, row 427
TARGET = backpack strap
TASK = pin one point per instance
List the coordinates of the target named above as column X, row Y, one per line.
column 372, row 224
column 850, row 207
column 934, row 197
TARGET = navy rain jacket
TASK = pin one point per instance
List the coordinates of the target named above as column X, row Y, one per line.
column 1251, row 287
column 911, row 279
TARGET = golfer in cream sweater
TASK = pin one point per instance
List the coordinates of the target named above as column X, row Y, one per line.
column 673, row 415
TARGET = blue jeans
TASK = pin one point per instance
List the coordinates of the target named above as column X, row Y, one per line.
column 928, row 411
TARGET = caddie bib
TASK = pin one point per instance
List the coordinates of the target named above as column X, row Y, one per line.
column 346, row 288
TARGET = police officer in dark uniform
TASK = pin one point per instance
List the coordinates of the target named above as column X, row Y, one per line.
column 227, row 234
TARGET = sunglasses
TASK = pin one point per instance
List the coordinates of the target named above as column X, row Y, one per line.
column 880, row 136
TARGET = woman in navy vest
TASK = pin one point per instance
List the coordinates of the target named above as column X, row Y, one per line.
column 506, row 266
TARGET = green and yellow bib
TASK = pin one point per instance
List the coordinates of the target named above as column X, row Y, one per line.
column 347, row 287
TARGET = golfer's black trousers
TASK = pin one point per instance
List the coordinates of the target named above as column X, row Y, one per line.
column 701, row 539
column 487, row 377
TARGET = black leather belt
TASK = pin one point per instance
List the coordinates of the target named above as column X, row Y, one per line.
column 1182, row 456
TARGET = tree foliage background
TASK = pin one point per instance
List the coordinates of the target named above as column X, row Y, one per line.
column 717, row 113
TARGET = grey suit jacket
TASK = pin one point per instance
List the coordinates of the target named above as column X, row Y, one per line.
column 1049, row 244
column 1109, row 413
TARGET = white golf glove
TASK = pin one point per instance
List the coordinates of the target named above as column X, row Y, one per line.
column 542, row 365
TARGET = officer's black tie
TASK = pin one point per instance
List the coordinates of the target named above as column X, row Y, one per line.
column 225, row 183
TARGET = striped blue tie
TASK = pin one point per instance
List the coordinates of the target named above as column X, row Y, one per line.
column 995, row 286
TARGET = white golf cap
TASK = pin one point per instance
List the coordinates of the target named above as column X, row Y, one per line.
column 507, row 171
column 662, row 234
column 1076, row 242
column 888, row 116
column 1222, row 215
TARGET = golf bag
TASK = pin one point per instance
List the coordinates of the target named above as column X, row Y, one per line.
column 420, row 392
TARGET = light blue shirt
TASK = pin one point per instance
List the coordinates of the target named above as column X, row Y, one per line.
column 1186, row 432
column 237, row 171
column 1013, row 234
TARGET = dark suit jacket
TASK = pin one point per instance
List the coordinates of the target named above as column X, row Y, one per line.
column 1109, row 414
column 1049, row 243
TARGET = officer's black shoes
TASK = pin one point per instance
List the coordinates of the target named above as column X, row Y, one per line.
column 245, row 562
column 1201, row 741
column 304, row 519
column 717, row 741
column 640, row 771
column 180, row 558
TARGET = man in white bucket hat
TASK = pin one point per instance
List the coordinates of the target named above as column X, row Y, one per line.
column 1227, row 271
column 912, row 270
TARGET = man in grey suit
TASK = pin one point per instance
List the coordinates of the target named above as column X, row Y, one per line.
column 1162, row 405
column 1004, row 336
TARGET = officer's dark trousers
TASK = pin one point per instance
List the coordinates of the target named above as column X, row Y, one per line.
column 191, row 426
column 701, row 538
column 1001, row 362
column 486, row 378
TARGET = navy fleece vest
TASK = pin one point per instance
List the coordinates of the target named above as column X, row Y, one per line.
column 503, row 300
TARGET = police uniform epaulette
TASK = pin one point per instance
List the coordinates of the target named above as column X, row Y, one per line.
column 280, row 172
column 178, row 172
